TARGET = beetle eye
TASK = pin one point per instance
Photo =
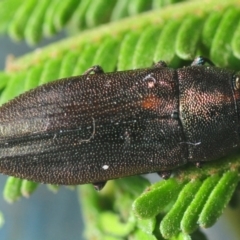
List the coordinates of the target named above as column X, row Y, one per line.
column 236, row 81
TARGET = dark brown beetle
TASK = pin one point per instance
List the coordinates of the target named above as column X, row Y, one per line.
column 96, row 127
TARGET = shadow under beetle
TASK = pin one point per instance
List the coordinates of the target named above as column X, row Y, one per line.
column 101, row 126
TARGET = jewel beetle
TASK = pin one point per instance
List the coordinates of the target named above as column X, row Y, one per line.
column 101, row 126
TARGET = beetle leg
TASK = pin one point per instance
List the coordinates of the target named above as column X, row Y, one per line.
column 160, row 64
column 99, row 185
column 95, row 69
column 201, row 61
column 165, row 175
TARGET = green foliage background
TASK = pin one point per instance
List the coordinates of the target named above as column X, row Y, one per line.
column 131, row 34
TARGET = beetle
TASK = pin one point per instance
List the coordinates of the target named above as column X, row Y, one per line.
column 101, row 126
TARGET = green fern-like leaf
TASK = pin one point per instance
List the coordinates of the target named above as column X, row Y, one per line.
column 200, row 202
column 35, row 19
column 176, row 34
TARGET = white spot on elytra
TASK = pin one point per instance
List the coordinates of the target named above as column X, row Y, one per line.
column 191, row 143
column 151, row 80
column 105, row 167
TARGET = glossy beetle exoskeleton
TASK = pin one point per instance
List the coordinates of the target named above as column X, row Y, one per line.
column 96, row 127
